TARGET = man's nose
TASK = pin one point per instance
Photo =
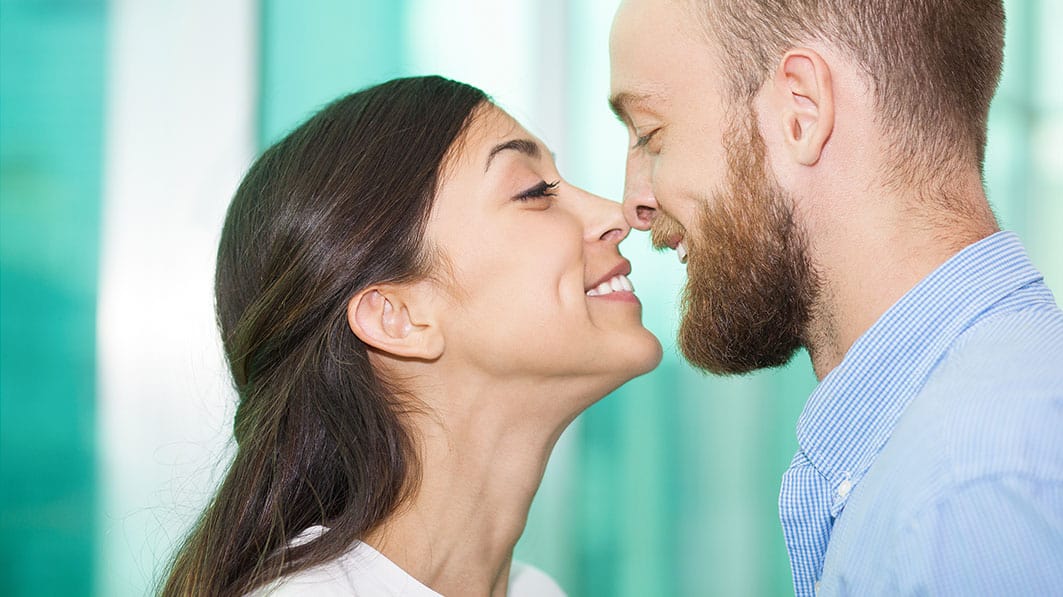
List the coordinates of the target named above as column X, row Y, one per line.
column 640, row 205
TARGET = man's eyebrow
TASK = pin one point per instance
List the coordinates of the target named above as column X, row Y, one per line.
column 622, row 102
column 526, row 146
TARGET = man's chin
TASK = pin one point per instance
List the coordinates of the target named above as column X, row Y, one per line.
column 716, row 344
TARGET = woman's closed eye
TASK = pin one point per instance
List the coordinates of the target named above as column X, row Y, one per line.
column 539, row 191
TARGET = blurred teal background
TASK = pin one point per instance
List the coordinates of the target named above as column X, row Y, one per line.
column 124, row 127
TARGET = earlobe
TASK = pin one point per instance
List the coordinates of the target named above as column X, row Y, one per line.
column 386, row 318
column 805, row 90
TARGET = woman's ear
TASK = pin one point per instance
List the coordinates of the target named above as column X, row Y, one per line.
column 396, row 319
column 804, row 92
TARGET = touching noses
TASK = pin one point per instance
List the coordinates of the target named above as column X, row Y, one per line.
column 640, row 206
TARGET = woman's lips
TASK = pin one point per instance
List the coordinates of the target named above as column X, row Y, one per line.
column 618, row 283
column 614, row 285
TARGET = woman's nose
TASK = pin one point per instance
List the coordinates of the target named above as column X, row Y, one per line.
column 640, row 205
column 604, row 219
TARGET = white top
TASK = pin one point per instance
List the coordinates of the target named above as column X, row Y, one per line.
column 365, row 572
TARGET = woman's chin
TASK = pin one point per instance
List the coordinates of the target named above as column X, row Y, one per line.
column 650, row 356
column 642, row 354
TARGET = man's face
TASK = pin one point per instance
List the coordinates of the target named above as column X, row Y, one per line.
column 697, row 178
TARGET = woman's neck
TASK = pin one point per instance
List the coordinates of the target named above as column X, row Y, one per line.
column 480, row 467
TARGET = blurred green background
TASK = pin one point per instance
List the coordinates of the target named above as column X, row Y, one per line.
column 124, row 127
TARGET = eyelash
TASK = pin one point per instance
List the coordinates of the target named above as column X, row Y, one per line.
column 644, row 140
column 543, row 189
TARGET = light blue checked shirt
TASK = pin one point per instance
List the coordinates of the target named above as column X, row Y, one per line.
column 931, row 458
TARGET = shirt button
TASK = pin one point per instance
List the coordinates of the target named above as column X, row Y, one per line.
column 844, row 488
column 815, row 588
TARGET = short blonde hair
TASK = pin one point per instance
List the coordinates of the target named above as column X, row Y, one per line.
column 933, row 65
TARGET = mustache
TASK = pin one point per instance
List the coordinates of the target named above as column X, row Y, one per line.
column 665, row 231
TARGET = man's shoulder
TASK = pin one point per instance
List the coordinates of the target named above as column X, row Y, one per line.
column 993, row 405
column 974, row 461
column 999, row 384
column 1009, row 346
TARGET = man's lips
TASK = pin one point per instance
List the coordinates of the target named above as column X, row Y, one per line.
column 681, row 252
column 662, row 241
column 666, row 232
column 674, row 242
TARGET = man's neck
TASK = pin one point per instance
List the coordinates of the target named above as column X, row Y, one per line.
column 867, row 267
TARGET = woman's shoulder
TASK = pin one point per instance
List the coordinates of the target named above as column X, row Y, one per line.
column 324, row 581
column 361, row 571
column 366, row 572
column 333, row 580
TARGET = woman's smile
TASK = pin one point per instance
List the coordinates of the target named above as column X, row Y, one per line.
column 614, row 285
column 538, row 242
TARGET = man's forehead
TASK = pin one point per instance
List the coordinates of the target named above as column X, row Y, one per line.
column 634, row 45
column 658, row 49
column 651, row 34
column 677, row 17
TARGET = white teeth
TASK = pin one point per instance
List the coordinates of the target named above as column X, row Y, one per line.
column 618, row 283
column 681, row 252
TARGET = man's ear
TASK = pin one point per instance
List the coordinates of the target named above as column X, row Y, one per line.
column 804, row 93
column 396, row 320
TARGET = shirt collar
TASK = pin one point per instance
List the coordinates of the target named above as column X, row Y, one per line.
column 853, row 411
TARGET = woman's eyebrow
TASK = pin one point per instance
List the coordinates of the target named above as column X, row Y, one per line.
column 526, row 146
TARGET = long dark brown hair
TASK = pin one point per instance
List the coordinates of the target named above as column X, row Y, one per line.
column 339, row 204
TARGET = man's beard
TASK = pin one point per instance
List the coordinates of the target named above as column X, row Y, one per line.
column 750, row 284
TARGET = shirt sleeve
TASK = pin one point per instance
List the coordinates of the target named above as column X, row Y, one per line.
column 999, row 535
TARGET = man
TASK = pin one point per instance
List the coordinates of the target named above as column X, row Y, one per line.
column 818, row 166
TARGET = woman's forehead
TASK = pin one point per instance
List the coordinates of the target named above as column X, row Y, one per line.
column 489, row 126
column 471, row 153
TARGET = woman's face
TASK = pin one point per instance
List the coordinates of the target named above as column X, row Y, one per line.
column 537, row 285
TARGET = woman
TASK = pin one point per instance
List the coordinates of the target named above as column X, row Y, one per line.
column 414, row 306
